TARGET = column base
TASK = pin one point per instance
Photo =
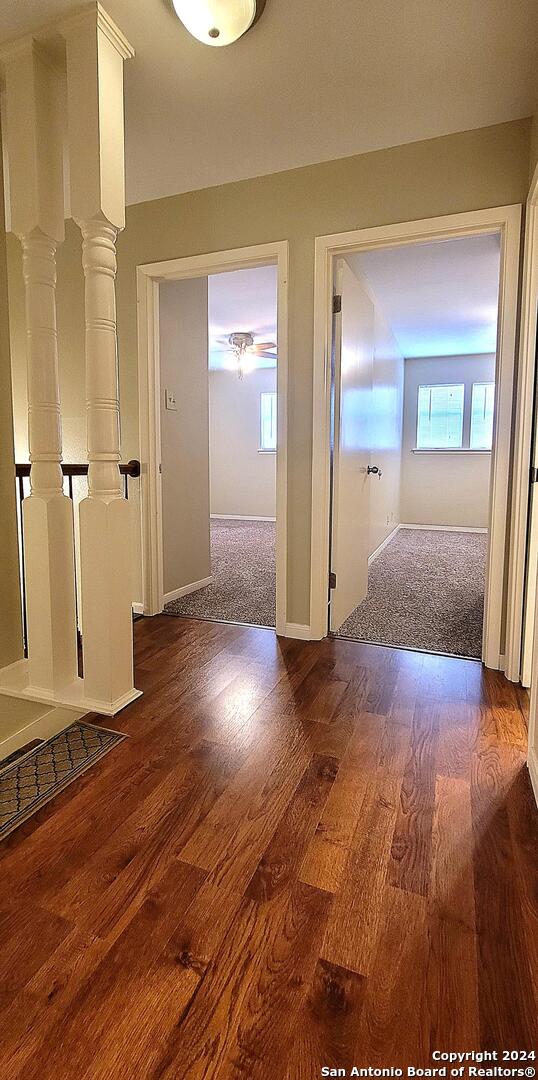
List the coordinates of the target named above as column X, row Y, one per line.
column 106, row 591
column 50, row 589
column 15, row 682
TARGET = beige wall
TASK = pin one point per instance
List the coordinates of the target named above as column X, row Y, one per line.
column 185, row 433
column 449, row 488
column 386, row 449
column 466, row 171
column 243, row 481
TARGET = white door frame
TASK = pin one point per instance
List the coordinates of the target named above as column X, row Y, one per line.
column 148, row 278
column 505, row 220
column 525, row 587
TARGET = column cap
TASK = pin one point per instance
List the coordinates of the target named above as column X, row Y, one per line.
column 94, row 14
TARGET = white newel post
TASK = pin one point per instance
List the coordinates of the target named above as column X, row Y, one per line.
column 37, row 216
column 105, row 540
column 96, row 50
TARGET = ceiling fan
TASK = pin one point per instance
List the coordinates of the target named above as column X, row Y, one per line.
column 244, row 348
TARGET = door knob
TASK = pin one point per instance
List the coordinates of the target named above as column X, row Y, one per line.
column 374, row 469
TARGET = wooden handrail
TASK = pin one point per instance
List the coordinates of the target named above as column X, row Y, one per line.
column 130, row 468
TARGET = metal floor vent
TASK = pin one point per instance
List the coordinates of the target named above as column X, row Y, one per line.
column 31, row 781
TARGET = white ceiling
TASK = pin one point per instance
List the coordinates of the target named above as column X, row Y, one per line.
column 311, row 81
column 440, row 299
column 241, row 300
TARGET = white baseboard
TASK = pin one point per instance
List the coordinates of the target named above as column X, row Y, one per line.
column 298, row 630
column 186, row 589
column 445, row 528
column 532, row 764
column 383, row 544
column 239, row 517
column 138, row 609
column 52, row 721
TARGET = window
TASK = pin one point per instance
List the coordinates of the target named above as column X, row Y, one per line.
column 440, row 417
column 268, row 422
column 482, row 401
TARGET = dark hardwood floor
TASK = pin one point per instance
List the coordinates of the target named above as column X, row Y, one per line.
column 306, row 855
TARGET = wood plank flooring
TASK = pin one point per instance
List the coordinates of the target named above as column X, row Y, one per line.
column 306, row 855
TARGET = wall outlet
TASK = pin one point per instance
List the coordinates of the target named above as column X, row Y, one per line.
column 170, row 400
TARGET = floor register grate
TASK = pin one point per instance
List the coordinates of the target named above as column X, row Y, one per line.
column 29, row 782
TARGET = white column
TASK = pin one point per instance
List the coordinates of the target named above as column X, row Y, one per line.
column 47, row 512
column 96, row 50
column 105, row 526
column 36, row 197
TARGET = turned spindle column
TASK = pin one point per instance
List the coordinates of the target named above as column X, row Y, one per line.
column 33, row 109
column 105, row 539
column 96, row 50
column 47, row 512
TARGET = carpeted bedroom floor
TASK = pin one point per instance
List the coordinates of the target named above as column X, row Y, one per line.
column 244, row 576
column 425, row 591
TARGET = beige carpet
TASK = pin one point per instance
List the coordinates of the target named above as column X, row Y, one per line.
column 425, row 591
column 244, row 576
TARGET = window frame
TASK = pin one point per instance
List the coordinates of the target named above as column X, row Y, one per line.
column 439, row 449
column 465, row 447
column 487, row 384
column 273, row 420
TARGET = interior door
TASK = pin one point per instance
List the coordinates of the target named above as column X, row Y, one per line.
column 353, row 370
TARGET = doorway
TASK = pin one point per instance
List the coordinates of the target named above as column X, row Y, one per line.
column 415, row 345
column 230, row 543
column 219, row 406
column 503, row 226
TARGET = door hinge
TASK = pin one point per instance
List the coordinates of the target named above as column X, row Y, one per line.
column 534, row 475
column 332, row 580
column 337, row 304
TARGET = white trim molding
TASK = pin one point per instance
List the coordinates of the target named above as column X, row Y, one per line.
column 445, row 528
column 15, row 682
column 44, row 727
column 381, row 547
column 186, row 590
column 240, row 517
column 148, row 278
column 504, row 221
column 297, row 630
column 523, row 574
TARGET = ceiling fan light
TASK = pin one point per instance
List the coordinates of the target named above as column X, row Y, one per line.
column 216, row 22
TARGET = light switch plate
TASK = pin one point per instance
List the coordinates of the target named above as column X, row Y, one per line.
column 170, row 400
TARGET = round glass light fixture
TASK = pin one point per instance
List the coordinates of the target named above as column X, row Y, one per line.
column 218, row 22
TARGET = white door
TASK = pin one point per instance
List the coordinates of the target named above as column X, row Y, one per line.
column 353, row 369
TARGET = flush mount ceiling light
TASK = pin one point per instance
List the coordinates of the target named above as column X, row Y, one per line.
column 218, row 22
